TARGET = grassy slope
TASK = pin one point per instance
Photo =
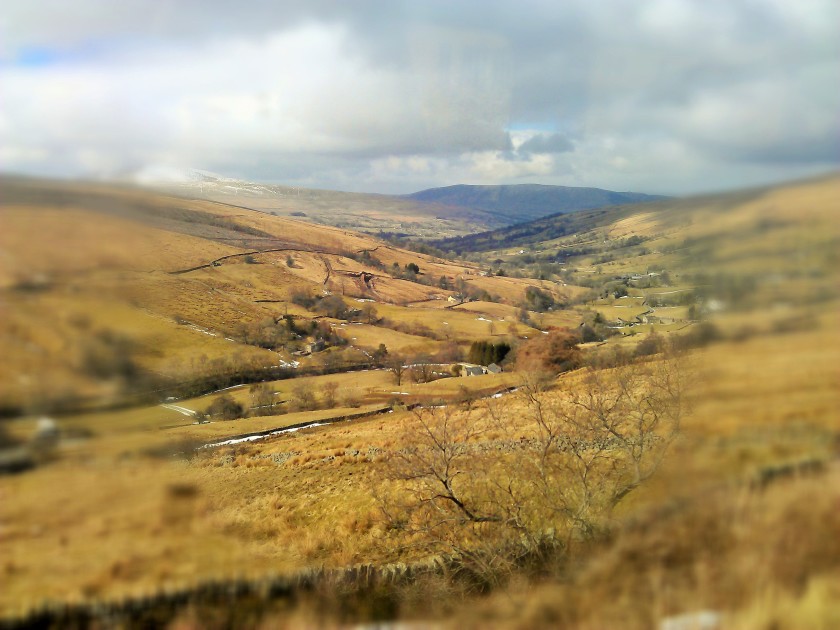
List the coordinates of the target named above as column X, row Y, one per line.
column 82, row 259
column 525, row 202
column 357, row 211
column 70, row 529
column 304, row 498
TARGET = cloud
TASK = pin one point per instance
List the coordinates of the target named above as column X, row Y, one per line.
column 337, row 94
column 543, row 143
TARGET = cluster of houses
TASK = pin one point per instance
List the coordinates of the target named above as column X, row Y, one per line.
column 643, row 318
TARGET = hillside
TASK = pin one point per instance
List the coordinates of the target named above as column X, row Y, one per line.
column 92, row 271
column 643, row 220
column 215, row 416
column 370, row 213
column 525, row 202
column 429, row 214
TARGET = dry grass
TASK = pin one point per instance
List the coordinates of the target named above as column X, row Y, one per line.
column 305, row 498
column 109, row 517
column 89, row 259
column 740, row 556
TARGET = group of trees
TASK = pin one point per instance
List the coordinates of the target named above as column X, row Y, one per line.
column 286, row 331
column 487, row 352
column 421, row 368
column 264, row 401
column 327, row 305
column 225, row 407
column 538, row 300
column 268, row 332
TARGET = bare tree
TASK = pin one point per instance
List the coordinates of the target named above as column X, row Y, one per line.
column 423, row 372
column 369, row 313
column 395, row 364
column 499, row 481
column 303, row 399
column 262, row 399
column 329, row 397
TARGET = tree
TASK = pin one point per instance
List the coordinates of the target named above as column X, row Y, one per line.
column 304, row 298
column 395, row 364
column 485, row 353
column 554, row 353
column 329, row 394
column 423, row 371
column 369, row 313
column 262, row 399
column 379, row 354
column 588, row 334
column 332, row 306
column 559, row 464
column 538, row 300
column 225, row 408
column 651, row 344
column 303, row 399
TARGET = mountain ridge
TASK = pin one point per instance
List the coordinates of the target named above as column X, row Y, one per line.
column 518, row 203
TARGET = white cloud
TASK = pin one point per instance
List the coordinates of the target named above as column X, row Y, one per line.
column 662, row 96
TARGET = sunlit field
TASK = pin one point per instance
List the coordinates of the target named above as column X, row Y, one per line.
column 199, row 394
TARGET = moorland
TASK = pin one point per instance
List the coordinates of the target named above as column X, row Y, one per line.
column 214, row 415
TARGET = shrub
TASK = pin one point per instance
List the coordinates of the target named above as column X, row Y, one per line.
column 652, row 344
column 225, row 408
column 332, row 306
column 537, row 300
column 556, row 352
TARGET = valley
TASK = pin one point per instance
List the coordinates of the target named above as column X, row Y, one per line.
column 160, row 348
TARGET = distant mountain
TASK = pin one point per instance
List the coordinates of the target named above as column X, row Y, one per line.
column 526, row 202
column 539, row 230
column 663, row 215
column 435, row 213
column 365, row 212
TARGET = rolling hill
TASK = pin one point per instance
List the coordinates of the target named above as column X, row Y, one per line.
column 97, row 279
column 669, row 216
column 172, row 342
column 524, row 202
column 429, row 214
column 363, row 212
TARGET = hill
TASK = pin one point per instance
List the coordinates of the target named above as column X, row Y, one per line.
column 430, row 214
column 669, row 213
column 222, row 417
column 524, row 202
column 363, row 212
column 104, row 282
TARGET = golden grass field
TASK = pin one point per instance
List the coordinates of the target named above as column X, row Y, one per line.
column 286, row 502
column 128, row 504
column 357, row 211
column 71, row 272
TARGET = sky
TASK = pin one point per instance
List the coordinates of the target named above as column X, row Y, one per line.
column 394, row 96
